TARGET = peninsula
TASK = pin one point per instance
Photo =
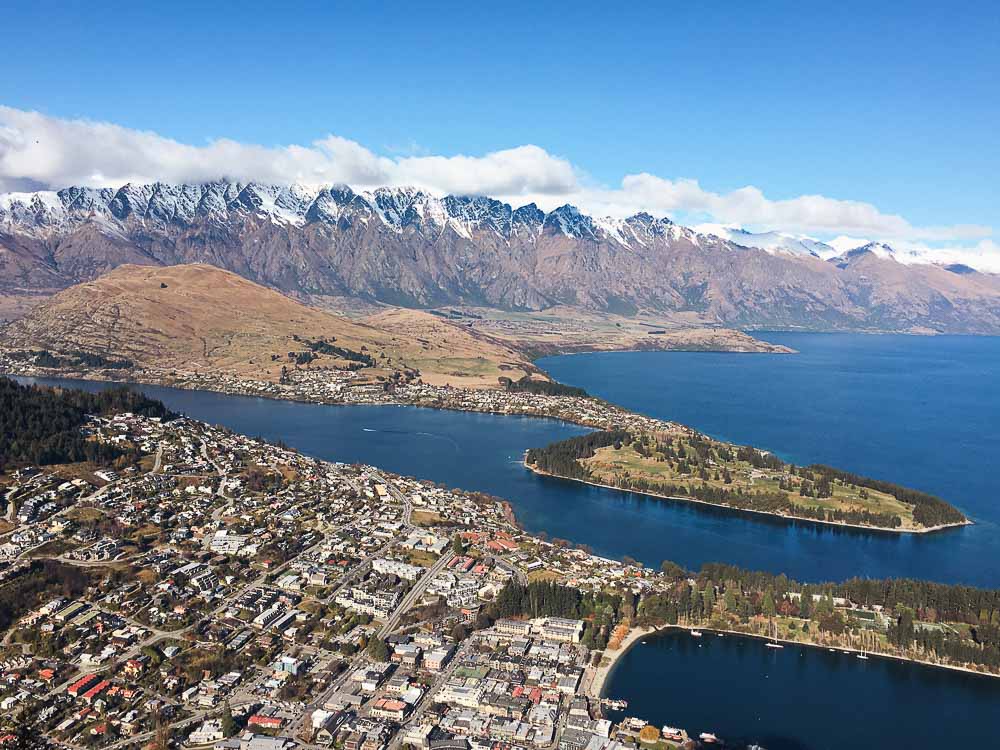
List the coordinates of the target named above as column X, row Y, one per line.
column 678, row 463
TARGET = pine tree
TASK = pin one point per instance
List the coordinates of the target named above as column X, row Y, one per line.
column 377, row 650
column 768, row 605
column 228, row 724
column 805, row 605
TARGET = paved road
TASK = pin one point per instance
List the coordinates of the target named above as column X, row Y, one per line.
column 414, row 594
column 520, row 575
column 141, row 738
column 408, row 601
column 405, row 604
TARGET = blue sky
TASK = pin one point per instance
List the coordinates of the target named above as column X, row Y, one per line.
column 895, row 105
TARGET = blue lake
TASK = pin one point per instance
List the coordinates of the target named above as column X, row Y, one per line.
column 920, row 411
column 796, row 697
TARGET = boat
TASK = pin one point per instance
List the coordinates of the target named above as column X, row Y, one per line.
column 708, row 738
column 864, row 652
column 673, row 734
column 696, row 633
column 773, row 643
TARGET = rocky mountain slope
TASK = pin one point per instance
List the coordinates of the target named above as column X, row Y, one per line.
column 198, row 318
column 404, row 247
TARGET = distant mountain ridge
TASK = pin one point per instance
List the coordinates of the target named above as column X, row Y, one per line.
column 403, row 246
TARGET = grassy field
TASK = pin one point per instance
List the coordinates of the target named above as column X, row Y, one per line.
column 85, row 514
column 721, row 464
column 421, row 558
column 425, row 518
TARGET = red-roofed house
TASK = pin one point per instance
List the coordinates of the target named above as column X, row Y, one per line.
column 82, row 684
column 95, row 691
column 265, row 722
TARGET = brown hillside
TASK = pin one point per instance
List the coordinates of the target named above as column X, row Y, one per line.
column 195, row 317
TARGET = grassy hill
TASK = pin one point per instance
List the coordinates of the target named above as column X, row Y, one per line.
column 198, row 317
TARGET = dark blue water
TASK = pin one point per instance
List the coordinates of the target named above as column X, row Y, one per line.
column 796, row 698
column 915, row 410
column 921, row 411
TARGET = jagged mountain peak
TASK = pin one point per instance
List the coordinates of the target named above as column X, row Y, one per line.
column 568, row 220
column 880, row 249
column 395, row 208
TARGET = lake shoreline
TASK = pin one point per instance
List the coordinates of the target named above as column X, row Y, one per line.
column 781, row 516
column 183, row 385
column 565, row 418
column 598, row 687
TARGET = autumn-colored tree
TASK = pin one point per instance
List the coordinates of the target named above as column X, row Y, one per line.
column 649, row 734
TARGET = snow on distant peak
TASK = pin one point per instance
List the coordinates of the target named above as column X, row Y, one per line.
column 843, row 243
column 617, row 229
column 44, row 208
column 771, row 242
column 878, row 249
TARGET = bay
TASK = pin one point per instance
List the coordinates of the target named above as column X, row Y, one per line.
column 799, row 698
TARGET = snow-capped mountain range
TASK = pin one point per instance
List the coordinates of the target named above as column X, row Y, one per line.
column 837, row 249
column 161, row 204
column 397, row 208
column 405, row 246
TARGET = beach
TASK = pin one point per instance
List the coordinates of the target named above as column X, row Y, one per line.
column 600, row 675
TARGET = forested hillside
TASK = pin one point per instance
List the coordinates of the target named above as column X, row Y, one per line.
column 41, row 425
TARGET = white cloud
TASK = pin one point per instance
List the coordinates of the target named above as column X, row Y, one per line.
column 983, row 256
column 42, row 152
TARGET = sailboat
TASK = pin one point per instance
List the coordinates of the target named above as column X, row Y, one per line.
column 863, row 654
column 773, row 643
